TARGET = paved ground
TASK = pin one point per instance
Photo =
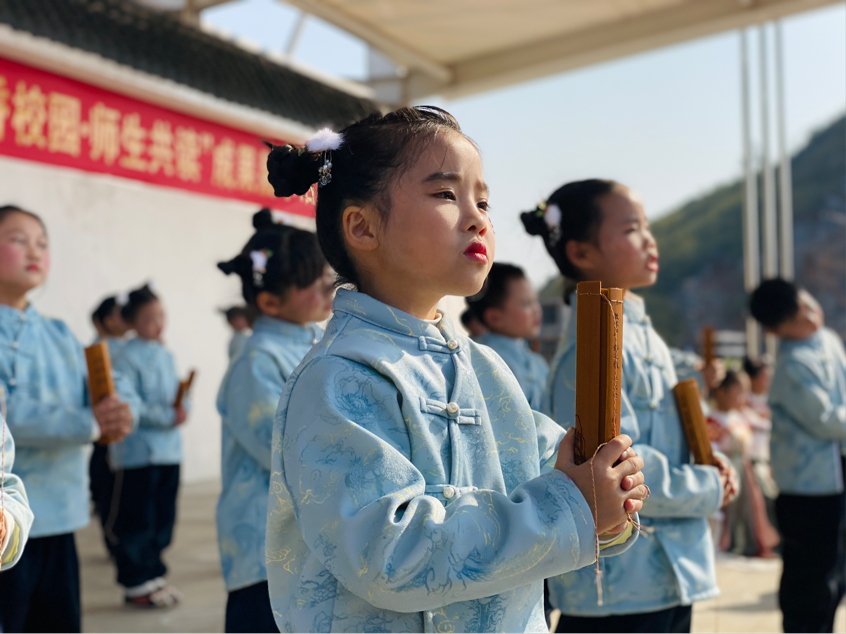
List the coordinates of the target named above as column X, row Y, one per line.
column 747, row 603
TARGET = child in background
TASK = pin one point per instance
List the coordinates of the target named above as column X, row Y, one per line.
column 509, row 309
column 472, row 324
column 286, row 280
column 147, row 461
column 43, row 377
column 240, row 319
column 747, row 528
column 808, row 401
column 412, row 487
column 597, row 230
column 15, row 514
column 112, row 329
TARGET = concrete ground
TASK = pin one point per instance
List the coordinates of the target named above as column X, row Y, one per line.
column 747, row 603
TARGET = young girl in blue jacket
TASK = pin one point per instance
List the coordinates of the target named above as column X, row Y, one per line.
column 284, row 278
column 147, row 461
column 597, row 230
column 412, row 487
column 43, row 379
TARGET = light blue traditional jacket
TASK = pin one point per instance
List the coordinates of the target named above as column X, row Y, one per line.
column 529, row 368
column 150, row 369
column 15, row 504
column 237, row 343
column 115, row 344
column 675, row 565
column 43, row 376
column 247, row 403
column 412, row 487
column 808, row 399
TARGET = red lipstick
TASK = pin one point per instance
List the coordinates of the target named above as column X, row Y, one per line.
column 652, row 263
column 477, row 252
column 33, row 267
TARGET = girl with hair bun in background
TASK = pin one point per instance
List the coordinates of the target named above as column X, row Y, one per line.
column 147, row 461
column 412, row 487
column 597, row 230
column 286, row 280
column 43, row 378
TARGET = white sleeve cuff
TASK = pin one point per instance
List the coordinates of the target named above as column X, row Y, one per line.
column 95, row 431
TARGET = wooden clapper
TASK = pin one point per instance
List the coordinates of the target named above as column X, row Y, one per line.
column 184, row 388
column 599, row 367
column 692, row 418
column 100, row 381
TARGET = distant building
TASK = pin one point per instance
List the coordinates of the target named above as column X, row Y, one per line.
column 138, row 138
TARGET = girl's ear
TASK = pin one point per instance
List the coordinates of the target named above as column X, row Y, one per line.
column 361, row 227
column 268, row 303
column 578, row 253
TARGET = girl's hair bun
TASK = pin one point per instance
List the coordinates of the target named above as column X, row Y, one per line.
column 534, row 222
column 292, row 171
column 263, row 219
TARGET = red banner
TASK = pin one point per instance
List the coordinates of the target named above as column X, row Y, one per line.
column 52, row 119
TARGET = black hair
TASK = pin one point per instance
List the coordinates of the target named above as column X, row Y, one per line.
column 494, row 293
column 731, row 379
column 581, row 217
column 293, row 259
column 233, row 312
column 753, row 367
column 774, row 302
column 467, row 317
column 369, row 159
column 137, row 299
column 7, row 210
column 104, row 310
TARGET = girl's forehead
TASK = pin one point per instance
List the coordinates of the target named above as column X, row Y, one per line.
column 447, row 152
column 22, row 222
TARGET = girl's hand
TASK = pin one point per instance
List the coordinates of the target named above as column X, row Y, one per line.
column 728, row 478
column 617, row 476
column 181, row 416
column 713, row 373
column 114, row 418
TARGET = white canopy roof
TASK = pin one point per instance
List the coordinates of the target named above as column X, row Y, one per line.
column 460, row 47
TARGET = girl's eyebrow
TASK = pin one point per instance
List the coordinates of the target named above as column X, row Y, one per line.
column 454, row 177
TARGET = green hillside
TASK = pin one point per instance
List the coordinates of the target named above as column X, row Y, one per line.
column 706, row 233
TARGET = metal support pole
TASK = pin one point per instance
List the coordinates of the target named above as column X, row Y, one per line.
column 785, row 179
column 751, row 251
column 770, row 220
column 296, row 34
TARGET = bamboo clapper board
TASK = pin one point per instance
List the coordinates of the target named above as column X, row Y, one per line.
column 184, row 388
column 693, row 421
column 100, row 381
column 599, row 366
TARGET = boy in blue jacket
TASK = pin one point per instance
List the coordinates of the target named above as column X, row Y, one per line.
column 808, row 401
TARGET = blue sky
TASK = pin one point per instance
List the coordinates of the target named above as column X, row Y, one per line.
column 666, row 122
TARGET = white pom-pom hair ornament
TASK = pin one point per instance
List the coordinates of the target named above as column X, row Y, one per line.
column 278, row 218
column 259, row 259
column 122, row 299
column 324, row 140
column 552, row 216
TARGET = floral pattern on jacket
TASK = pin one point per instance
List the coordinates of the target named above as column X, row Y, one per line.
column 675, row 565
column 247, row 401
column 412, row 487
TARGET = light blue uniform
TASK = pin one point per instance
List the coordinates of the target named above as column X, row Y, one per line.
column 14, row 504
column 675, row 565
column 150, row 369
column 237, row 343
column 115, row 344
column 247, row 403
column 44, row 377
column 808, row 400
column 529, row 368
column 412, row 487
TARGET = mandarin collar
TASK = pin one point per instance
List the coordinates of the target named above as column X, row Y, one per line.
column 286, row 329
column 9, row 314
column 814, row 341
column 380, row 314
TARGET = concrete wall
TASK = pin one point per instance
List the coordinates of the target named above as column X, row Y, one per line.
column 108, row 235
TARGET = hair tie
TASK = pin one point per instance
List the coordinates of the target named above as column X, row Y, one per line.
column 260, row 259
column 325, row 140
column 122, row 299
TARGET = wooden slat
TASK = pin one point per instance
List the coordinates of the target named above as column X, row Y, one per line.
column 693, row 421
column 100, row 381
column 184, row 388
